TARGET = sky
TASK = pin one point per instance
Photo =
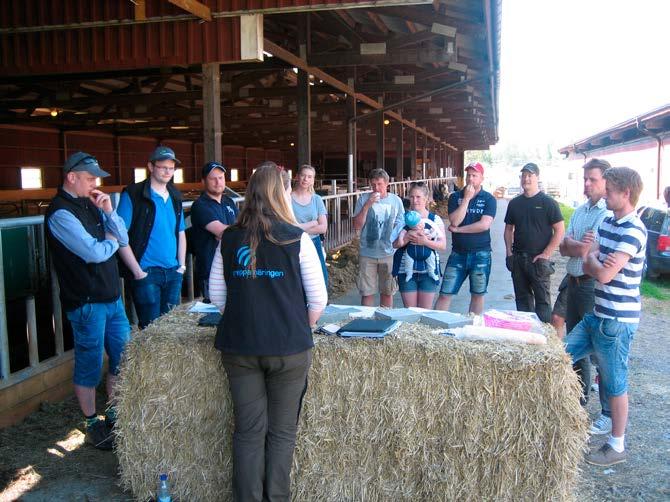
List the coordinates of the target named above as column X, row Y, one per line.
column 571, row 68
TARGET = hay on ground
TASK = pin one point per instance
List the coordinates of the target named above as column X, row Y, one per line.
column 416, row 416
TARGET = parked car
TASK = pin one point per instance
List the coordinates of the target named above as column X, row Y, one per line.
column 657, row 221
column 513, row 191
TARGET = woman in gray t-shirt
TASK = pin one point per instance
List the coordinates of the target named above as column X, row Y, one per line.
column 310, row 212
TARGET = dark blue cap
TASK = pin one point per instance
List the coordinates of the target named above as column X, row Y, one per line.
column 80, row 162
column 531, row 167
column 163, row 153
column 210, row 166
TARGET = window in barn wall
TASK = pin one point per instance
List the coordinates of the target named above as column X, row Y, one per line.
column 98, row 182
column 234, row 175
column 178, row 175
column 140, row 174
column 31, row 177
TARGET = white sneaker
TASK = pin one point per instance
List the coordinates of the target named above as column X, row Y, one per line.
column 602, row 425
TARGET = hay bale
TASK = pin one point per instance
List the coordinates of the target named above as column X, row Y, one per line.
column 416, row 416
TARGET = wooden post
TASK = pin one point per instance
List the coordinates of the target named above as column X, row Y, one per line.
column 412, row 154
column 424, row 157
column 303, row 100
column 380, row 141
column 399, row 155
column 351, row 141
column 211, row 112
column 4, row 338
column 33, row 352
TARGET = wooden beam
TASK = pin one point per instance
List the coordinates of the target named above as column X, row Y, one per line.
column 411, row 39
column 194, row 7
column 377, row 22
column 398, row 57
column 294, row 60
column 427, row 18
column 140, row 10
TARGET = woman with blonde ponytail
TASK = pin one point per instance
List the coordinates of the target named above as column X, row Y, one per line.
column 267, row 282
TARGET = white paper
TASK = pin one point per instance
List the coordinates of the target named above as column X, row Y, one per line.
column 204, row 308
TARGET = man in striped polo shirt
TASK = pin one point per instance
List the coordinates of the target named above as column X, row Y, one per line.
column 616, row 265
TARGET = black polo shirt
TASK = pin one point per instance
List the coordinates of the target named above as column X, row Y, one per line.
column 203, row 243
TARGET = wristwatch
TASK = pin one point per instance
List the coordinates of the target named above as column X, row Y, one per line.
column 181, row 269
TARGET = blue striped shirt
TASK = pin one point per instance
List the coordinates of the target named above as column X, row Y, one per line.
column 620, row 298
column 586, row 217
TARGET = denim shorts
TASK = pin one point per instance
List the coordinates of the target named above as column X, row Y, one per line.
column 476, row 264
column 418, row 282
column 98, row 328
column 609, row 340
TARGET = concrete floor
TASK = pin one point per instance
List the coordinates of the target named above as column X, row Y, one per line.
column 500, row 292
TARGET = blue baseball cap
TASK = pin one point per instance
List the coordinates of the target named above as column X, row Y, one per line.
column 80, row 162
column 163, row 153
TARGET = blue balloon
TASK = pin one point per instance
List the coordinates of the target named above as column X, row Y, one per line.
column 412, row 219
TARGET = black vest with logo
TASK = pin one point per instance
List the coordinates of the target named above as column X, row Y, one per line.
column 81, row 282
column 266, row 315
column 144, row 213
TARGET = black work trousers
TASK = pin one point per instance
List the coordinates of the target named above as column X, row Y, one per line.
column 531, row 285
column 267, row 394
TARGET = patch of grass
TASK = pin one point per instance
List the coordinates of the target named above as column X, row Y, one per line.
column 658, row 289
column 566, row 211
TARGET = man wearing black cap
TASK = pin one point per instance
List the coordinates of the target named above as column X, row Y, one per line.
column 83, row 233
column 155, row 259
column 533, row 231
column 211, row 214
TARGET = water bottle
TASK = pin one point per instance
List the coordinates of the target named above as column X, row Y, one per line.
column 163, row 493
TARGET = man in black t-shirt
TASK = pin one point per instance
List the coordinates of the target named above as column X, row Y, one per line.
column 533, row 230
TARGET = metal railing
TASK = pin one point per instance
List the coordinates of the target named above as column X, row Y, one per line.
column 340, row 209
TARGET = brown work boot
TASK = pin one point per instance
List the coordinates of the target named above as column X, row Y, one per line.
column 606, row 456
column 99, row 436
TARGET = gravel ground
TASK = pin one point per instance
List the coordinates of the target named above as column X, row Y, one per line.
column 44, row 458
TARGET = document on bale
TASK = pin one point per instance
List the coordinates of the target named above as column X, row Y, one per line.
column 368, row 328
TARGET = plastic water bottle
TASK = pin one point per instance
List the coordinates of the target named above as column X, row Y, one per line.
column 163, row 494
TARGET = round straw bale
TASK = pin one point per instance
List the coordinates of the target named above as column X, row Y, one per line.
column 414, row 416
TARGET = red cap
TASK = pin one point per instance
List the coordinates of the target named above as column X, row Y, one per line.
column 476, row 166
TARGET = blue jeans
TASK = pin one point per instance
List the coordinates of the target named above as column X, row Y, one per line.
column 98, row 327
column 609, row 340
column 158, row 293
column 476, row 264
column 322, row 259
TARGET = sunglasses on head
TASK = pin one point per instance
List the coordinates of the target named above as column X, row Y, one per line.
column 85, row 160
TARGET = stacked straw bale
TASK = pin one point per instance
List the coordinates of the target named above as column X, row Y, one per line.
column 416, row 416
